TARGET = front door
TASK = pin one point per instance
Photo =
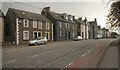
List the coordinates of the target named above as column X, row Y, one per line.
column 35, row 35
column 69, row 35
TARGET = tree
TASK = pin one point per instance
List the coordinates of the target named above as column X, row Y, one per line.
column 113, row 18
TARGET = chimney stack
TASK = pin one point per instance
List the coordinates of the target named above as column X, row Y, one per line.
column 45, row 11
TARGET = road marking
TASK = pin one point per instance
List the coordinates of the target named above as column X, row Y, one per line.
column 90, row 50
column 87, row 52
column 41, row 54
column 67, row 66
column 32, row 56
column 9, row 62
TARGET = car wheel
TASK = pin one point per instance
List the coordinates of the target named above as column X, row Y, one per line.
column 44, row 42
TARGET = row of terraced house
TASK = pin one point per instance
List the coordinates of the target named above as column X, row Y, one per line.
column 22, row 26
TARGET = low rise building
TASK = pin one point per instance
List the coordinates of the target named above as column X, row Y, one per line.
column 64, row 28
column 22, row 26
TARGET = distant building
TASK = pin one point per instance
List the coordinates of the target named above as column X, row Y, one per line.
column 93, row 29
column 64, row 28
column 22, row 26
column 1, row 27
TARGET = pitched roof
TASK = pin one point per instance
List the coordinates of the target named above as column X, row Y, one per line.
column 81, row 22
column 1, row 14
column 92, row 23
column 29, row 15
column 58, row 16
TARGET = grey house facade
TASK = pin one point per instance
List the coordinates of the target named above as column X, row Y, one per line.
column 64, row 28
column 93, row 29
column 22, row 26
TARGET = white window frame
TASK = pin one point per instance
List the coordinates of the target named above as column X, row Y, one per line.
column 47, row 25
column 66, row 25
column 60, row 33
column 73, row 26
column 40, row 24
column 24, row 24
column 35, row 24
column 37, row 33
column 48, row 35
column 60, row 24
column 73, row 34
column 24, row 35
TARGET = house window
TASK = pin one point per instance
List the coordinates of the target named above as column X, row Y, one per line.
column 47, row 35
column 25, row 35
column 65, row 25
column 47, row 26
column 40, row 25
column 60, row 24
column 25, row 23
column 37, row 34
column 34, row 24
column 73, row 34
column 60, row 33
column 68, row 25
column 73, row 26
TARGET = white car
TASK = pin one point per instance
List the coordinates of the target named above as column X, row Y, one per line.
column 77, row 38
column 39, row 40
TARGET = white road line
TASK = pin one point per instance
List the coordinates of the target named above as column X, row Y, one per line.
column 41, row 54
column 84, row 54
column 67, row 66
column 32, row 56
column 90, row 50
column 9, row 62
column 87, row 52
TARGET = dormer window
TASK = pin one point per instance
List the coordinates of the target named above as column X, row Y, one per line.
column 23, row 13
column 66, row 17
column 71, row 19
column 56, row 15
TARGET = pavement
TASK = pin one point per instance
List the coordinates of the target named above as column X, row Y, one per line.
column 110, row 57
column 66, row 54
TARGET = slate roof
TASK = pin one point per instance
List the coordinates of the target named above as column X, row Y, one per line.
column 92, row 23
column 58, row 16
column 28, row 15
column 1, row 14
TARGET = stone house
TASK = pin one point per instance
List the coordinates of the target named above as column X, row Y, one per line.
column 22, row 26
column 64, row 28
column 93, row 29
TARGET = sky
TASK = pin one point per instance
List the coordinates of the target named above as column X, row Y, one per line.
column 91, row 10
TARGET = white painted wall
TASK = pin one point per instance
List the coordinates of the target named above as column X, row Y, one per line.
column 83, row 30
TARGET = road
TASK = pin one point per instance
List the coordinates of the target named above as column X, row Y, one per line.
column 62, row 54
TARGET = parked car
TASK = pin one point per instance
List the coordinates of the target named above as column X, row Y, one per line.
column 39, row 40
column 78, row 38
column 98, row 37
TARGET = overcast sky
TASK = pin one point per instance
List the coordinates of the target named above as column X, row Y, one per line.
column 91, row 10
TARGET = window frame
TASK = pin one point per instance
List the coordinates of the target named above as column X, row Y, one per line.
column 24, row 35
column 40, row 24
column 60, row 24
column 35, row 24
column 24, row 23
column 48, row 35
column 47, row 25
column 60, row 33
